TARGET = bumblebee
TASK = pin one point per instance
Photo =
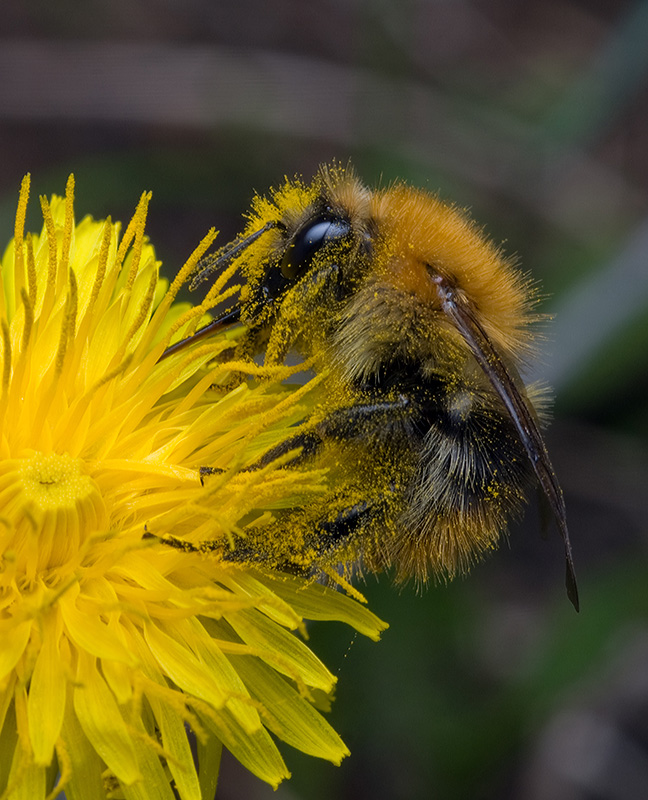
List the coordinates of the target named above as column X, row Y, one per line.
column 422, row 326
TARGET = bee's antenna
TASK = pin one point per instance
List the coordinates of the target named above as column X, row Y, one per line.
column 225, row 320
column 212, row 263
column 223, row 257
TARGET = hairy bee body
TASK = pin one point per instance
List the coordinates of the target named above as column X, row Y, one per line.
column 421, row 326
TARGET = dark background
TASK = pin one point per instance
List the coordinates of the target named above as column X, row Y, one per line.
column 534, row 114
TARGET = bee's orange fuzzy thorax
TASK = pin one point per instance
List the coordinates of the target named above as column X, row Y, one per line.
column 419, row 231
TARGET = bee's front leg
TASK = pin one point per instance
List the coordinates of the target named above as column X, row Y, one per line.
column 370, row 421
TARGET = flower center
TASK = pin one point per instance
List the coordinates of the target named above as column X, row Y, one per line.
column 53, row 481
column 52, row 505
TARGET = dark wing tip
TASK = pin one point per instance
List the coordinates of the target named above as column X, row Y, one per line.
column 570, row 573
column 572, row 588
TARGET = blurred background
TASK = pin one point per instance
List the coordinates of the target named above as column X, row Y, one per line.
column 535, row 116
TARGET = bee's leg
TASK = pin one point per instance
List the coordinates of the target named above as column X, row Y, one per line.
column 241, row 552
column 345, row 523
column 308, row 443
column 325, row 536
column 360, row 531
column 204, row 471
column 341, row 425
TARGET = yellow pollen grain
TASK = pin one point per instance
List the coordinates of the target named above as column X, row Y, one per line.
column 29, row 319
column 68, row 324
column 6, row 356
column 183, row 276
column 196, row 312
column 171, row 293
column 50, row 228
column 19, row 228
column 32, row 280
column 67, row 227
column 338, row 578
column 142, row 314
column 135, row 229
column 283, row 405
column 220, row 281
column 212, row 299
column 74, row 304
column 127, row 238
column 101, row 264
column 21, row 211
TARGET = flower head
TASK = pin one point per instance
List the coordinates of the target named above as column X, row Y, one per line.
column 112, row 643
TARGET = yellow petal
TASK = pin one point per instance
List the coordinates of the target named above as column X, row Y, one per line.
column 318, row 602
column 185, row 670
column 220, row 670
column 89, row 632
column 172, row 727
column 175, row 743
column 14, row 639
column 153, row 783
column 257, row 752
column 209, row 756
column 289, row 716
column 102, row 721
column 46, row 701
column 26, row 781
column 293, row 657
column 84, row 781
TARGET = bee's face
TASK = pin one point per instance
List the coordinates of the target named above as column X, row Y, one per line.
column 318, row 248
column 422, row 325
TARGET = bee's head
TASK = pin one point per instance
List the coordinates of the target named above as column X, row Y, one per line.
column 312, row 258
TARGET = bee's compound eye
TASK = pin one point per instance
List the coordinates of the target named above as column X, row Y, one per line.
column 308, row 240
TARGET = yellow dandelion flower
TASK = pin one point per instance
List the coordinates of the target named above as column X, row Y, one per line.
column 112, row 644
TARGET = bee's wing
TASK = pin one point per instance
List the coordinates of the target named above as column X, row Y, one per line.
column 461, row 315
